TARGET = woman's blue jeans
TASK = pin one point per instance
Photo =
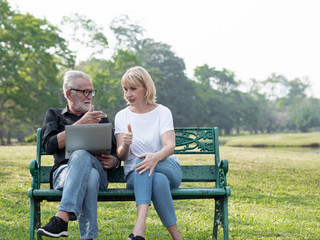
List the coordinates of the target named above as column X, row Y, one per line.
column 80, row 181
column 166, row 176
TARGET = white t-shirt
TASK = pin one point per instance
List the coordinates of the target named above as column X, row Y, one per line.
column 147, row 129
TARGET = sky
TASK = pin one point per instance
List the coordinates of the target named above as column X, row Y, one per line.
column 252, row 38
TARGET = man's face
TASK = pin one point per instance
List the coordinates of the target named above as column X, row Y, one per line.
column 77, row 101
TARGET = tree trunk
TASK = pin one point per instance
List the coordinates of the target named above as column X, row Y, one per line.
column 9, row 137
column 1, row 138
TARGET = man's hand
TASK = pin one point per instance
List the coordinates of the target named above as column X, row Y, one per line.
column 107, row 161
column 91, row 117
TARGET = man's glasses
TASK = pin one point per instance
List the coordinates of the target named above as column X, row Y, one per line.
column 86, row 93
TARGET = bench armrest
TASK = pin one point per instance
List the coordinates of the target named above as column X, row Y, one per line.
column 222, row 178
column 34, row 170
column 224, row 165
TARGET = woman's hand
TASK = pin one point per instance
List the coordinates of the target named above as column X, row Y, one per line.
column 151, row 159
column 124, row 140
column 127, row 137
column 149, row 163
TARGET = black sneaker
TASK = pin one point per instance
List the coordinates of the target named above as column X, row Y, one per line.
column 55, row 228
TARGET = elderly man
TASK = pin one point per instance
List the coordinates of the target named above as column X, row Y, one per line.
column 82, row 175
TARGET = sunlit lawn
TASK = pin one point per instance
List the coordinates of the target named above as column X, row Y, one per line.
column 275, row 140
column 275, row 195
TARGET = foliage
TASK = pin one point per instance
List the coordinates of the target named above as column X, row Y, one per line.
column 223, row 80
column 129, row 35
column 84, row 34
column 31, row 51
column 174, row 90
column 106, row 77
column 35, row 57
column 32, row 139
column 274, row 195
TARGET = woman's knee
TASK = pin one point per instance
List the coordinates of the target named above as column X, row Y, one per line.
column 160, row 183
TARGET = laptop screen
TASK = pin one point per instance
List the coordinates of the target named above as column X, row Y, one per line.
column 95, row 138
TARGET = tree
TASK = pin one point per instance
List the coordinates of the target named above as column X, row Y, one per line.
column 31, row 52
column 269, row 118
column 106, row 77
column 297, row 89
column 306, row 114
column 218, row 91
column 174, row 89
column 129, row 35
column 275, row 86
column 84, row 34
column 223, row 81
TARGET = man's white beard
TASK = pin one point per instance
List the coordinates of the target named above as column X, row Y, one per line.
column 81, row 106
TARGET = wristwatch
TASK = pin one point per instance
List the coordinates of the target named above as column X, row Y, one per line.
column 118, row 163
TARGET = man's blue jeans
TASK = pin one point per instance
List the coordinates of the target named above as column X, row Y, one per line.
column 167, row 175
column 80, row 181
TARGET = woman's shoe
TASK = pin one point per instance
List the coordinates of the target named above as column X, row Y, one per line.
column 133, row 237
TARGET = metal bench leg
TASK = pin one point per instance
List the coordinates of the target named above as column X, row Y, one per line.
column 35, row 218
column 216, row 218
column 38, row 217
column 225, row 219
column 32, row 218
column 221, row 217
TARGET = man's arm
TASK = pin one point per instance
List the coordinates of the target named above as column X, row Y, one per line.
column 50, row 131
column 61, row 137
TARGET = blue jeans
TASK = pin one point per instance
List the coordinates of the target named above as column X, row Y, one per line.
column 167, row 175
column 80, row 181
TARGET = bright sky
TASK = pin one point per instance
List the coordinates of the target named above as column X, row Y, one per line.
column 252, row 38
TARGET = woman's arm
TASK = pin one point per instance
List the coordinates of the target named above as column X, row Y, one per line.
column 152, row 159
column 124, row 141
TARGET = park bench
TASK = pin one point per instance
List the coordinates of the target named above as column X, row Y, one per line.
column 188, row 141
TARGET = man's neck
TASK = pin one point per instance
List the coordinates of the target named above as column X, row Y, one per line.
column 71, row 110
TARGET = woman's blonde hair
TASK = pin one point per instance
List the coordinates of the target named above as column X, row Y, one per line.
column 139, row 76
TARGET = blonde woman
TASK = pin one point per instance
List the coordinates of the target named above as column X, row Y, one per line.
column 146, row 142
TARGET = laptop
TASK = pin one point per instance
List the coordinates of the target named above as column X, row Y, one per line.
column 95, row 138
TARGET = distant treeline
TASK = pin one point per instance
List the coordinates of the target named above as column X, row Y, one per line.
column 34, row 57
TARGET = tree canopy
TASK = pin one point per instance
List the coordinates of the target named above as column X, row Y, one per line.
column 32, row 52
column 34, row 57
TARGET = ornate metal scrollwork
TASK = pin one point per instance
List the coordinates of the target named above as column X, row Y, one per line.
column 195, row 140
column 221, row 183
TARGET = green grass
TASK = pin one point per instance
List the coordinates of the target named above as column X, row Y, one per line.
column 274, row 140
column 275, row 194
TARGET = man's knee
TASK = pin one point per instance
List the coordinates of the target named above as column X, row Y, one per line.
column 94, row 179
column 79, row 156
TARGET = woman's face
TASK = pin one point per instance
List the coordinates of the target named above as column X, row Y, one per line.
column 135, row 94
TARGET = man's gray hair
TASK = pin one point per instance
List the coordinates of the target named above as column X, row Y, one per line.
column 69, row 77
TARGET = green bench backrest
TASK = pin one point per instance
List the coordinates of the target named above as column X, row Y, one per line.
column 188, row 141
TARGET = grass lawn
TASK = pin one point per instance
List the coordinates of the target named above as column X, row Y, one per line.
column 311, row 139
column 275, row 194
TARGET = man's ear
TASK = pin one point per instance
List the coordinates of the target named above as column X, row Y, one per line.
column 68, row 94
